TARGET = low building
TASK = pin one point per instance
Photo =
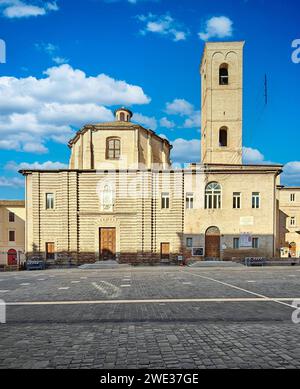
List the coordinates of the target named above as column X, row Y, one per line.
column 12, row 232
column 289, row 221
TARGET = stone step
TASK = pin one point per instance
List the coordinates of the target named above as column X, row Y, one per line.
column 103, row 265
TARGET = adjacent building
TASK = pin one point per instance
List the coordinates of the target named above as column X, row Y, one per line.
column 122, row 199
column 289, row 221
column 12, row 232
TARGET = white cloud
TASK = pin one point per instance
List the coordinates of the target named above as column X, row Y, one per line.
column 14, row 182
column 185, row 151
column 163, row 136
column 49, row 165
column 188, row 151
column 52, row 6
column 60, row 60
column 52, row 50
column 163, row 25
column 77, row 87
column 134, row 2
column 185, row 109
column 24, row 9
column 35, row 110
column 35, row 148
column 193, row 121
column 49, row 48
column 217, row 27
column 252, row 156
column 146, row 121
column 9, row 144
column 75, row 114
column 291, row 174
column 179, row 107
column 166, row 123
column 291, row 170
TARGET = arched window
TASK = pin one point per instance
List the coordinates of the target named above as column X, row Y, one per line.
column 213, row 196
column 113, row 148
column 122, row 117
column 223, row 137
column 223, row 74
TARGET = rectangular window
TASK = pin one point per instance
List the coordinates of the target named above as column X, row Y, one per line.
column 236, row 200
column 12, row 236
column 165, row 201
column 293, row 221
column 293, row 197
column 189, row 200
column 49, row 201
column 113, row 148
column 236, row 243
column 50, row 250
column 11, row 217
column 212, row 201
column 255, row 243
column 189, row 242
column 255, row 200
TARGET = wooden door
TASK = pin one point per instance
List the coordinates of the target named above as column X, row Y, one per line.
column 212, row 243
column 165, row 251
column 107, row 243
column 12, row 257
column 50, row 250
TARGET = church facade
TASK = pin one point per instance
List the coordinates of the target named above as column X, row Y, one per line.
column 122, row 199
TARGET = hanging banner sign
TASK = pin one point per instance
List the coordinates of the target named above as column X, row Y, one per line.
column 246, row 240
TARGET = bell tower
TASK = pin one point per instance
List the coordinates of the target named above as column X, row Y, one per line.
column 222, row 100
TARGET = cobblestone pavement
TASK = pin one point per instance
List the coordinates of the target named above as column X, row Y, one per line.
column 166, row 317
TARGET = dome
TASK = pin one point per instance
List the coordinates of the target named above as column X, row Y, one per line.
column 123, row 114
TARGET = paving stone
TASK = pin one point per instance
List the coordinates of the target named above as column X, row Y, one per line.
column 177, row 335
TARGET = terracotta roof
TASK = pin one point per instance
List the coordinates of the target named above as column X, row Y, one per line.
column 206, row 169
column 282, row 187
column 114, row 125
column 123, row 109
column 223, row 167
column 12, row 203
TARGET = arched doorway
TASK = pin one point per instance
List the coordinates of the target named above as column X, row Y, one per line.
column 212, row 243
column 12, row 257
column 293, row 249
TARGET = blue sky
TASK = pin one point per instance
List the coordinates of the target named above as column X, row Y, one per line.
column 73, row 62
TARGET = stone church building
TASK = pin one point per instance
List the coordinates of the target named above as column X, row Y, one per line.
column 121, row 199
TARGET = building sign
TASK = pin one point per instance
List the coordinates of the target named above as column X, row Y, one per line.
column 245, row 240
column 246, row 221
column 198, row 252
